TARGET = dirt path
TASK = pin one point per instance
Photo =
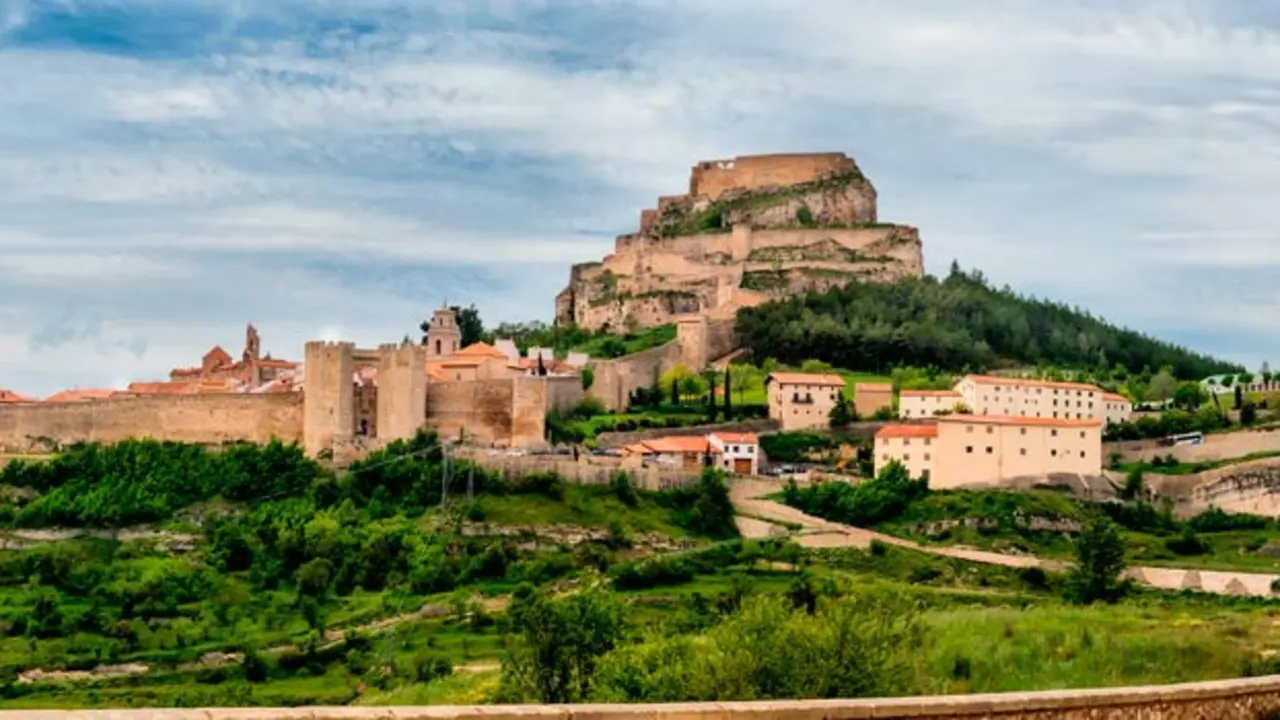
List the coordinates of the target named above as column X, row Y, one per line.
column 749, row 499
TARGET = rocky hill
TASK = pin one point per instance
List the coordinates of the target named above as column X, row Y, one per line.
column 750, row 230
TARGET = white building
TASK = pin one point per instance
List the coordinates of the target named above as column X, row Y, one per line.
column 927, row 403
column 738, row 452
column 1019, row 397
column 1117, row 408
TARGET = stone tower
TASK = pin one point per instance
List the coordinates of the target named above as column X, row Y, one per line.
column 691, row 338
column 443, row 335
column 329, row 406
column 402, row 390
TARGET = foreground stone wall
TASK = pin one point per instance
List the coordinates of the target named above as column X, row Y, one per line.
column 1217, row 446
column 184, row 418
column 1247, row 699
column 616, row 379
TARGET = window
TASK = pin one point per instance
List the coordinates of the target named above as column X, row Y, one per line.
column 906, row 441
column 1081, row 453
column 928, row 441
column 885, row 457
column 1081, row 433
column 968, row 429
column 1023, row 451
column 990, row 429
column 1053, row 453
column 990, row 449
column 1023, row 431
column 906, row 457
column 926, row 457
column 1053, row 433
column 968, row 449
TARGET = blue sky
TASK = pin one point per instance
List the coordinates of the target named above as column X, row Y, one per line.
column 172, row 169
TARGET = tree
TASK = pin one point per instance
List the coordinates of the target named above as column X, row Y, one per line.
column 842, row 412
column 1190, row 396
column 469, row 324
column 728, row 390
column 588, row 377
column 555, row 644
column 1162, row 386
column 685, row 382
column 1239, row 396
column 1099, row 564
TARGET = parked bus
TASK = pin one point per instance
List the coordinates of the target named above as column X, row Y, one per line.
column 1191, row 438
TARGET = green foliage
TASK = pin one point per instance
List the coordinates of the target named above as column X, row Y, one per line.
column 804, row 216
column 589, row 406
column 855, row 646
column 623, row 490
column 144, row 480
column 1099, row 564
column 704, row 508
column 842, row 413
column 794, row 447
column 588, row 378
column 873, row 501
column 555, row 644
column 957, row 324
column 1170, row 422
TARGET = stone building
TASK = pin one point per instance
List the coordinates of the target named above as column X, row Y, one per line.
column 871, row 398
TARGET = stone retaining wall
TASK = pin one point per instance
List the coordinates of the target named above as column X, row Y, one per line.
column 1245, row 699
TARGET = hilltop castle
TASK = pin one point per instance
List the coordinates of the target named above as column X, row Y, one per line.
column 750, row 229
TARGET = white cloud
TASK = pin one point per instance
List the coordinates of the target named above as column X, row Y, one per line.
column 1086, row 149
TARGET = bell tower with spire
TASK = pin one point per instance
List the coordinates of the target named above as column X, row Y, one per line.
column 443, row 335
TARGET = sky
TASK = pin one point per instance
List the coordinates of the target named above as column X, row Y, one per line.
column 171, row 170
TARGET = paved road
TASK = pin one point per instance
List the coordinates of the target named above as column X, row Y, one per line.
column 765, row 517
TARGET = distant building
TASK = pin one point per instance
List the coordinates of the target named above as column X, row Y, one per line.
column 1116, row 408
column 688, row 452
column 1005, row 397
column 802, row 401
column 927, row 403
column 871, row 398
column 978, row 450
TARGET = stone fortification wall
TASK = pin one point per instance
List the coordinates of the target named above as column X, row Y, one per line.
column 776, row 214
column 618, row 439
column 1245, row 699
column 563, row 393
column 616, row 379
column 506, row 412
column 713, row 178
column 183, row 418
column 586, row 470
column 1217, row 446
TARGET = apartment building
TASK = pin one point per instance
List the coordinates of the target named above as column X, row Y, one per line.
column 802, row 401
column 1116, row 408
column 738, row 453
column 1046, row 399
column 987, row 450
column 927, row 403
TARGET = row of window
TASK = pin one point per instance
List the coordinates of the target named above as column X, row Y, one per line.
column 1021, row 451
column 1021, row 431
column 1079, row 393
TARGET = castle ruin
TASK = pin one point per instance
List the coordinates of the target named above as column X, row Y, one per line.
column 751, row 229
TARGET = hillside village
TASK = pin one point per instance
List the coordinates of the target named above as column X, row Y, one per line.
column 730, row 436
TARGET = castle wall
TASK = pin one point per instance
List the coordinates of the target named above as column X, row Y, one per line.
column 402, row 390
column 714, row 178
column 564, row 392
column 329, row 415
column 616, row 379
column 509, row 412
column 1239, row 699
column 213, row 418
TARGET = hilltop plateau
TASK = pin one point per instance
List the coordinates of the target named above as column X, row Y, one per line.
column 749, row 230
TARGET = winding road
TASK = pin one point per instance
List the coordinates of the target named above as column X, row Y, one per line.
column 759, row 517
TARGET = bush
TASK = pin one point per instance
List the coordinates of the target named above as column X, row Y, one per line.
column 623, row 491
column 588, row 407
column 1187, row 543
column 1099, row 564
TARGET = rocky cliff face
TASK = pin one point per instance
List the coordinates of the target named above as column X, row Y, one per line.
column 752, row 229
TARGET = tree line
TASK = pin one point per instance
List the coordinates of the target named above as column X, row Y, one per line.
column 957, row 324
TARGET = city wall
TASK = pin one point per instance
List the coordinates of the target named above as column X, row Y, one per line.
column 586, row 470
column 186, row 418
column 1216, row 446
column 712, row 178
column 1243, row 699
column 619, row 439
column 506, row 412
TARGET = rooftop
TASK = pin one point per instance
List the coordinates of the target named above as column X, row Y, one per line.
column 907, row 431
column 1028, row 382
column 790, row 378
column 1014, row 420
column 929, row 393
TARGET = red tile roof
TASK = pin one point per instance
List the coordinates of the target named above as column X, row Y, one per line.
column 790, row 378
column 679, row 444
column 78, row 395
column 1113, row 397
column 737, row 438
column 480, row 349
column 1015, row 420
column 8, row 396
column 907, row 431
